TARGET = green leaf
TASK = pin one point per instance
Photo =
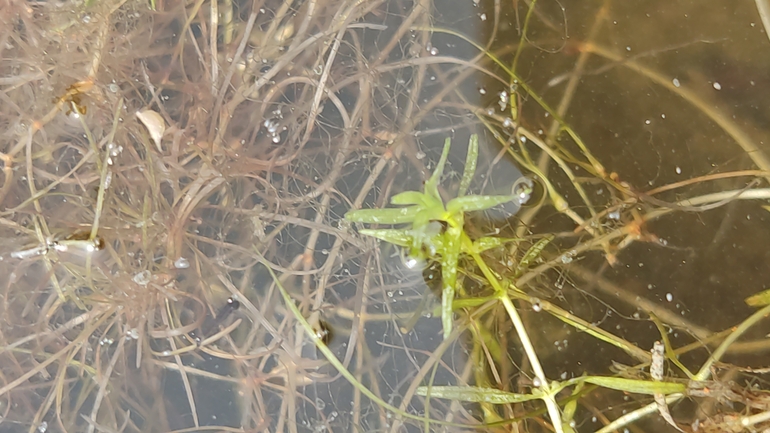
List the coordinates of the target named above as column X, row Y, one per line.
column 471, row 302
column 431, row 185
column 470, row 165
column 637, row 386
column 449, row 259
column 474, row 394
column 383, row 216
column 759, row 299
column 410, row 197
column 470, row 203
column 487, row 243
column 532, row 253
column 400, row 237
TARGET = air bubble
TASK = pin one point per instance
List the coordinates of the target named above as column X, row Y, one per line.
column 503, row 100
column 142, row 278
column 522, row 189
column 182, row 263
column 536, row 306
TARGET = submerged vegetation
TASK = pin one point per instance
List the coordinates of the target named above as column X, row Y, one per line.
column 238, row 215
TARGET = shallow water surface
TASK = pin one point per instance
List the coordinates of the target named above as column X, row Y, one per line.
column 160, row 156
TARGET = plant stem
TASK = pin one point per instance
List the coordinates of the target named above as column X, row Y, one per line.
column 529, row 349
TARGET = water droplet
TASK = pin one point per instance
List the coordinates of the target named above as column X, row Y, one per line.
column 676, row 83
column 717, row 86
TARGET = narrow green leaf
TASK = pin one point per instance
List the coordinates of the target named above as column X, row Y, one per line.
column 431, row 186
column 470, row 165
column 601, row 334
column 471, row 302
column 637, row 386
column 487, row 243
column 451, row 255
column 470, row 203
column 759, row 299
column 670, row 353
column 400, row 237
column 532, row 254
column 383, row 216
column 474, row 394
column 408, row 198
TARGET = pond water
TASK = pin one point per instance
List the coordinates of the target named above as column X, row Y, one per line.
column 176, row 176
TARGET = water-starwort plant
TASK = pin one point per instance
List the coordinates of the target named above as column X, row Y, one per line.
column 424, row 212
